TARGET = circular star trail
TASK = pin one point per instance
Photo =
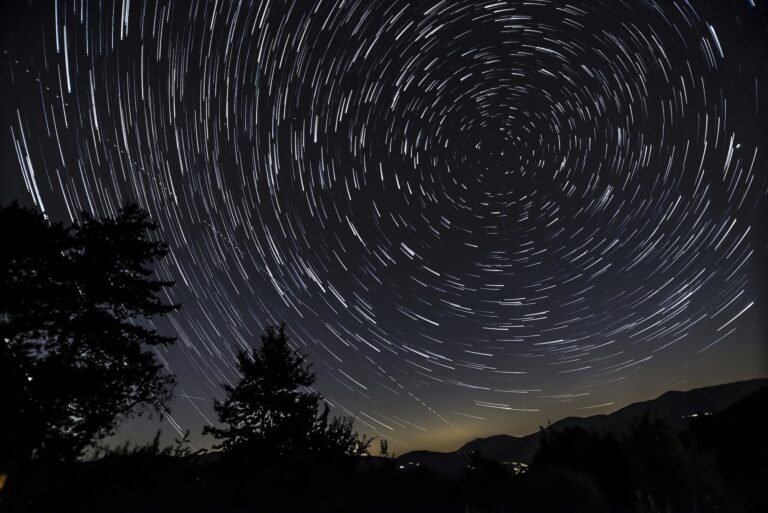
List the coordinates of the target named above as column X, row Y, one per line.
column 473, row 215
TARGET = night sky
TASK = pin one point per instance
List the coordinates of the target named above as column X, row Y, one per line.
column 473, row 215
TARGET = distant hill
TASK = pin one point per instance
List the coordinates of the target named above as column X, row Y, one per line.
column 676, row 407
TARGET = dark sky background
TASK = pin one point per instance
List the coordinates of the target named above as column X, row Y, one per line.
column 474, row 215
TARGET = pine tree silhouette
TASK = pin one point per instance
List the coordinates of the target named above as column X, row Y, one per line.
column 272, row 412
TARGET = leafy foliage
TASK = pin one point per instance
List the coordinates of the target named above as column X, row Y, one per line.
column 179, row 449
column 73, row 362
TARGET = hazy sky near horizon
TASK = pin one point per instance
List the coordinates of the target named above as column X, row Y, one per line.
column 474, row 216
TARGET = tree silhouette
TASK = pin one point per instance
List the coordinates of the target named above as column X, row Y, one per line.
column 383, row 448
column 271, row 411
column 73, row 321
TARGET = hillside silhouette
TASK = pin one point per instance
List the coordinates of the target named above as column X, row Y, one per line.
column 676, row 407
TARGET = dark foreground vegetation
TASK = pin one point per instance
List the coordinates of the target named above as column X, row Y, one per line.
column 717, row 464
column 75, row 363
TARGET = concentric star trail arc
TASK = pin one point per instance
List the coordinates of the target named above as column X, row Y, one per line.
column 473, row 215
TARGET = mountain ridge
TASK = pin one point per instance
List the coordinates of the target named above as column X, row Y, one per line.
column 675, row 406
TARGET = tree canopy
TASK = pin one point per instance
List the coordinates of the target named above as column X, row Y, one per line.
column 272, row 411
column 75, row 326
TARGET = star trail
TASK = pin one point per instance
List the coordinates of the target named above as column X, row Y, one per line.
column 473, row 215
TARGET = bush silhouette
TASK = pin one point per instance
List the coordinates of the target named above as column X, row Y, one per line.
column 556, row 490
column 659, row 464
column 599, row 456
column 734, row 440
